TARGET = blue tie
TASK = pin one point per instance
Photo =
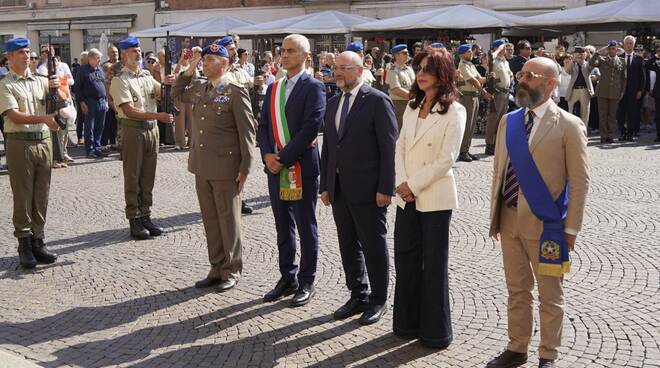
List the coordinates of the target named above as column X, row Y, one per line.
column 344, row 114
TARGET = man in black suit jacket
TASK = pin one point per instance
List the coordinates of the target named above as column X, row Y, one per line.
column 654, row 65
column 630, row 105
column 357, row 177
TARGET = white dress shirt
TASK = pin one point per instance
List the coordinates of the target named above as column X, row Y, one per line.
column 290, row 83
column 353, row 93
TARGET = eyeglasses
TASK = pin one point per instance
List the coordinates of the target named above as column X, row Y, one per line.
column 343, row 68
column 34, row 58
column 427, row 69
column 150, row 61
column 529, row 75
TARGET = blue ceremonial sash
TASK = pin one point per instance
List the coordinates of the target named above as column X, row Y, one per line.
column 553, row 251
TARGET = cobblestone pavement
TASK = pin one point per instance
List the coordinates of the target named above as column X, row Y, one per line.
column 110, row 301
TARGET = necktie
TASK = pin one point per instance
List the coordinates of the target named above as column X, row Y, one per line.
column 628, row 61
column 344, row 114
column 511, row 186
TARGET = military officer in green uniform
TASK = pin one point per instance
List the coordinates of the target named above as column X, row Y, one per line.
column 135, row 92
column 400, row 79
column 23, row 97
column 221, row 156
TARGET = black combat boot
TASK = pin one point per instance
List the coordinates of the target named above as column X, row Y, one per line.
column 151, row 227
column 137, row 229
column 41, row 253
column 25, row 254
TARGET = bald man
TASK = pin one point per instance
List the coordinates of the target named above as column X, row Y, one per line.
column 546, row 148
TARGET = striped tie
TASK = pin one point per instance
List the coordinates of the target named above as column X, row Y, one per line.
column 511, row 185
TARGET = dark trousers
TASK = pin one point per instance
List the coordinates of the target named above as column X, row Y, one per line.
column 80, row 121
column 94, row 122
column 657, row 116
column 421, row 294
column 109, row 129
column 289, row 215
column 629, row 114
column 361, row 231
column 593, row 113
column 563, row 103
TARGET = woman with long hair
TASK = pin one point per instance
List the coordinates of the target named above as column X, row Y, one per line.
column 428, row 145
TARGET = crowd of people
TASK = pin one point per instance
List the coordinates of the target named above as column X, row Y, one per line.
column 394, row 125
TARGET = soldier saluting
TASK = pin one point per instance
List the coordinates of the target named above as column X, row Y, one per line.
column 221, row 156
column 23, row 96
column 135, row 92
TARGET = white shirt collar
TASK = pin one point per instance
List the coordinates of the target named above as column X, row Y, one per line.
column 540, row 110
column 295, row 78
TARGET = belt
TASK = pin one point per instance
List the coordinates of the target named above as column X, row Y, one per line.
column 470, row 93
column 139, row 124
column 501, row 90
column 29, row 136
column 580, row 87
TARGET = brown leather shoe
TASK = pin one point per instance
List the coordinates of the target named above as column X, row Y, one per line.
column 508, row 359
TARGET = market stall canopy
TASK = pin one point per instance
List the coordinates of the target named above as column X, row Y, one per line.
column 452, row 17
column 210, row 27
column 327, row 22
column 599, row 16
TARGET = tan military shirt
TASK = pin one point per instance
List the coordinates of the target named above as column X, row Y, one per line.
column 400, row 77
column 613, row 76
column 368, row 77
column 468, row 71
column 139, row 88
column 502, row 72
column 27, row 94
column 240, row 76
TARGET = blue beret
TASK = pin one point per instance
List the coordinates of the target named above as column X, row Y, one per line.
column 215, row 49
column 355, row 47
column 16, row 44
column 611, row 43
column 224, row 41
column 398, row 48
column 438, row 45
column 464, row 48
column 499, row 42
column 128, row 43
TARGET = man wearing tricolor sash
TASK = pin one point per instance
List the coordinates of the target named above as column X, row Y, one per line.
column 291, row 115
column 540, row 184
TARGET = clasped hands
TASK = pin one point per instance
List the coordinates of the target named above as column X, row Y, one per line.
column 404, row 191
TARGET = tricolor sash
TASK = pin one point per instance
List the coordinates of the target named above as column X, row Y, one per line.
column 290, row 177
column 553, row 251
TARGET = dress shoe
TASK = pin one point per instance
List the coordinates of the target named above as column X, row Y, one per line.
column 25, row 255
column 473, row 157
column 373, row 314
column 137, row 229
column 303, row 295
column 351, row 308
column 508, row 359
column 465, row 157
column 546, row 363
column 245, row 209
column 227, row 285
column 609, row 140
column 151, row 228
column 100, row 154
column 208, row 282
column 490, row 150
column 41, row 253
column 623, row 138
column 282, row 289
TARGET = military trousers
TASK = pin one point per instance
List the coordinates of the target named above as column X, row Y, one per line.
column 139, row 151
column 501, row 104
column 29, row 163
column 220, row 204
column 607, row 108
column 471, row 104
column 399, row 109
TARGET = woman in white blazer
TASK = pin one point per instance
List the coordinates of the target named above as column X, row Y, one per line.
column 428, row 145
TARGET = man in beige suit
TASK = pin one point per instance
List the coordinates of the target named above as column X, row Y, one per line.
column 221, row 156
column 580, row 88
column 558, row 145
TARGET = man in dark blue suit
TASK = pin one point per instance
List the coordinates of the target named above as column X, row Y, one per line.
column 291, row 115
column 357, row 177
column 629, row 114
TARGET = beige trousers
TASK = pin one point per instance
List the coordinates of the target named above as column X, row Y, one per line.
column 582, row 96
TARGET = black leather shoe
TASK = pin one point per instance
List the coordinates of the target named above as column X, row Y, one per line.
column 473, row 157
column 226, row 285
column 281, row 290
column 546, row 363
column 351, row 308
column 623, row 138
column 245, row 209
column 137, row 229
column 41, row 253
column 303, row 295
column 490, row 149
column 208, row 282
column 373, row 314
column 151, row 227
column 508, row 359
column 25, row 255
column 464, row 157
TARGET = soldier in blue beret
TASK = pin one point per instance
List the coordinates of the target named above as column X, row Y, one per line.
column 400, row 78
column 134, row 93
column 28, row 129
column 222, row 126
column 356, row 47
column 435, row 46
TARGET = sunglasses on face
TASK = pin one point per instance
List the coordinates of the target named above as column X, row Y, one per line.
column 529, row 75
column 150, row 61
column 34, row 58
column 427, row 69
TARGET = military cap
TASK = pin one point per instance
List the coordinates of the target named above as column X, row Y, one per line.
column 129, row 42
column 579, row 49
column 215, row 49
column 464, row 48
column 437, row 45
column 16, row 44
column 499, row 42
column 611, row 43
column 224, row 41
column 355, row 47
column 399, row 48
